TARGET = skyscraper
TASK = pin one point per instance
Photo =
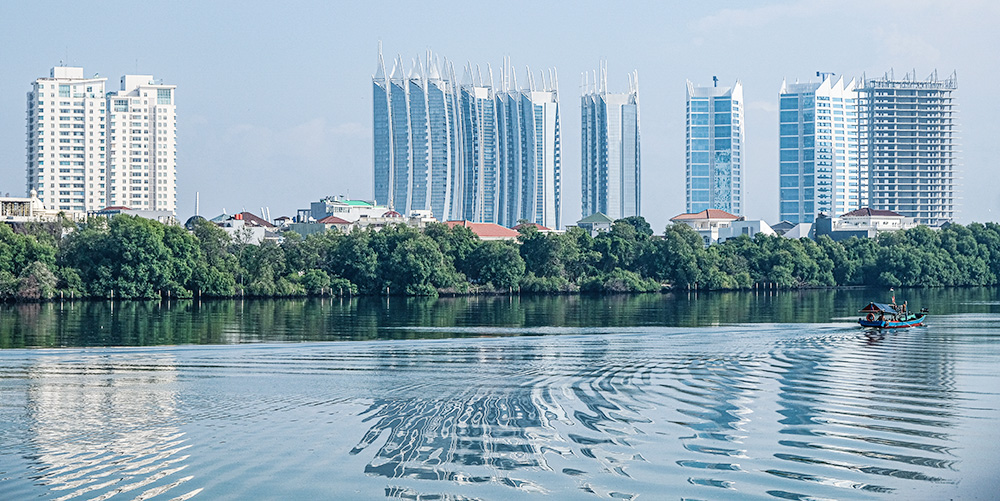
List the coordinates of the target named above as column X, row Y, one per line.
column 907, row 145
column 714, row 148
column 415, row 137
column 477, row 151
column 66, row 140
column 529, row 151
column 142, row 146
column 610, row 160
column 819, row 170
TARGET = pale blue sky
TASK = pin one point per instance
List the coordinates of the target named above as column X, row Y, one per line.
column 274, row 98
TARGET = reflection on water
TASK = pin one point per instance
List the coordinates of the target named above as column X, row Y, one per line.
column 131, row 323
column 624, row 408
column 102, row 425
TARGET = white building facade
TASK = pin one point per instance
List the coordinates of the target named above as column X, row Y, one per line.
column 66, row 140
column 715, row 148
column 610, row 154
column 818, row 150
column 142, row 145
column 88, row 149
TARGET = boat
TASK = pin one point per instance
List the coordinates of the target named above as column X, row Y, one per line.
column 890, row 316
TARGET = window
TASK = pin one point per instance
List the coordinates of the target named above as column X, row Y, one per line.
column 63, row 90
column 163, row 96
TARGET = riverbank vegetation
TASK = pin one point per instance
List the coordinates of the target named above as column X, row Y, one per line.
column 132, row 258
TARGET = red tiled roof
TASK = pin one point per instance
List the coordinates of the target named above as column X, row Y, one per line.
column 485, row 230
column 867, row 212
column 392, row 213
column 333, row 220
column 706, row 214
column 252, row 219
column 536, row 225
column 116, row 207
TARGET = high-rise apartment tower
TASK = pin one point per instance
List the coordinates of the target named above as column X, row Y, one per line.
column 142, row 145
column 66, row 141
column 818, row 151
column 478, row 151
column 610, row 159
column 88, row 149
column 715, row 148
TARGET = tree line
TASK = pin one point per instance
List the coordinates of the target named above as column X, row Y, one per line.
column 133, row 258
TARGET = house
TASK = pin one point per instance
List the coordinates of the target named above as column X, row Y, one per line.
column 31, row 209
column 707, row 223
column 862, row 223
column 418, row 219
column 717, row 226
column 486, row 231
column 595, row 223
column 346, row 209
column 163, row 216
column 246, row 227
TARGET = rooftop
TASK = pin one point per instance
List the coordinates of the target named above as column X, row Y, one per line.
column 706, row 214
column 485, row 230
column 869, row 212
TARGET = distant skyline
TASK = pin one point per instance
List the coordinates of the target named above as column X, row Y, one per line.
column 274, row 104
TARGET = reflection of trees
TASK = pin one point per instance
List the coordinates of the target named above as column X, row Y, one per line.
column 142, row 323
column 98, row 428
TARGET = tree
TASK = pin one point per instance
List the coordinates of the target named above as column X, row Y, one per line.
column 497, row 264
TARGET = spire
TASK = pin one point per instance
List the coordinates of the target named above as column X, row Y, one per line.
column 416, row 72
column 433, row 69
column 397, row 69
column 380, row 70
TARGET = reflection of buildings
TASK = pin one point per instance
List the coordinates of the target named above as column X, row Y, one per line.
column 867, row 413
column 98, row 428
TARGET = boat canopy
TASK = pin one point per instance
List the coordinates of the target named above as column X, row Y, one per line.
column 879, row 308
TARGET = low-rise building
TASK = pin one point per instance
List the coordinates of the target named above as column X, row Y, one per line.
column 348, row 210
column 862, row 223
column 163, row 216
column 31, row 209
column 717, row 226
column 487, row 231
column 595, row 223
column 246, row 227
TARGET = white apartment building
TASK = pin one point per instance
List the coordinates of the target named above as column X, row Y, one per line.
column 820, row 173
column 88, row 149
column 66, row 140
column 142, row 145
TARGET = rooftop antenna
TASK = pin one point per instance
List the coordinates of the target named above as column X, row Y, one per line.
column 715, row 81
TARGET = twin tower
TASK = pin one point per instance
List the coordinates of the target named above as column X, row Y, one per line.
column 489, row 149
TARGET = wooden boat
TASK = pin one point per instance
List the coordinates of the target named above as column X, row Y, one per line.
column 890, row 316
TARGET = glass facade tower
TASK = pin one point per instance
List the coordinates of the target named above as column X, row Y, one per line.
column 907, row 143
column 415, row 133
column 610, row 159
column 714, row 148
column 818, row 154
column 475, row 151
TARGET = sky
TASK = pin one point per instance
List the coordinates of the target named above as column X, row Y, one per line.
column 274, row 99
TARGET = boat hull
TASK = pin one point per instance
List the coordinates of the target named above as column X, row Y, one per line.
column 893, row 324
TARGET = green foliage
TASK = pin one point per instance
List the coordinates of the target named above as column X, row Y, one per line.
column 138, row 258
column 497, row 264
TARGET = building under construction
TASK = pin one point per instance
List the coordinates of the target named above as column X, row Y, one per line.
column 907, row 144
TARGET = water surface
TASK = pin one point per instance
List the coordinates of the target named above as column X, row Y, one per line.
column 714, row 396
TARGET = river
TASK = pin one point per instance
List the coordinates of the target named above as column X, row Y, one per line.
column 751, row 395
